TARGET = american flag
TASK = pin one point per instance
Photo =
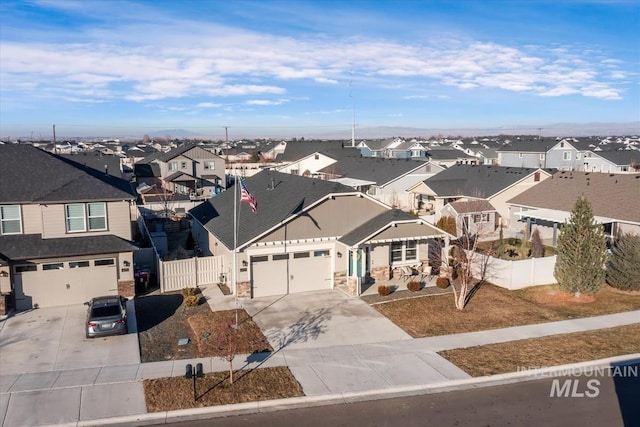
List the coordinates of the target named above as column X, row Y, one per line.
column 246, row 196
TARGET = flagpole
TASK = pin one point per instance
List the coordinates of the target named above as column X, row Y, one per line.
column 235, row 244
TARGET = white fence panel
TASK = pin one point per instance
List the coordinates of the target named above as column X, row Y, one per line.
column 514, row 274
column 190, row 272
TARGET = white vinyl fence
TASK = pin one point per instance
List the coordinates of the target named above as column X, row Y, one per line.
column 515, row 274
column 190, row 272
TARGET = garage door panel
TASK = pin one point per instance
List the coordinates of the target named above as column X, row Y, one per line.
column 66, row 285
column 269, row 278
column 311, row 273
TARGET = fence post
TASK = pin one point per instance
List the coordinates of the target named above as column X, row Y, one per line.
column 195, row 266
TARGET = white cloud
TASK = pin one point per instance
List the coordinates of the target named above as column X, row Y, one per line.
column 208, row 105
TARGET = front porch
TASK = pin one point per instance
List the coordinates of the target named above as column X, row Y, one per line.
column 398, row 283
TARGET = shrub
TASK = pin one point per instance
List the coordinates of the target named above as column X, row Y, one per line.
column 384, row 290
column 443, row 282
column 191, row 301
column 188, row 292
column 413, row 286
column 537, row 249
column 623, row 271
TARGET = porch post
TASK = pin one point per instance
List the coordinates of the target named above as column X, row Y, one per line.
column 555, row 233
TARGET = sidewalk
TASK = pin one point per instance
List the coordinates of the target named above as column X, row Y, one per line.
column 87, row 395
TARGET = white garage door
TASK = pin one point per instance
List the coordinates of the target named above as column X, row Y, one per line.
column 63, row 283
column 291, row 273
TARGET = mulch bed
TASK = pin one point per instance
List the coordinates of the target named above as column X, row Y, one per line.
column 163, row 320
column 167, row 394
column 404, row 294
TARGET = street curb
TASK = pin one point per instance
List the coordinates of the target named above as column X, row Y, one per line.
column 350, row 397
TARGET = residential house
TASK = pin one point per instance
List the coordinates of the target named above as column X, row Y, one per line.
column 610, row 161
column 530, row 153
column 473, row 183
column 309, row 234
column 188, row 169
column 65, row 231
column 447, row 157
column 385, row 179
column 614, row 198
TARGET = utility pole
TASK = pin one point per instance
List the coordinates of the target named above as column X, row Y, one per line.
column 55, row 145
column 353, row 112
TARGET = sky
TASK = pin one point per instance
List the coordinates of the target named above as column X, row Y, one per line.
column 295, row 68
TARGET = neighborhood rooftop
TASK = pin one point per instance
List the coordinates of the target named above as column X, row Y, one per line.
column 381, row 171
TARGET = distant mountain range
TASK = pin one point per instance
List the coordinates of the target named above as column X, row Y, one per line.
column 549, row 130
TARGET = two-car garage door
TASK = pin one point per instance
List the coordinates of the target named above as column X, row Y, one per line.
column 64, row 282
column 295, row 272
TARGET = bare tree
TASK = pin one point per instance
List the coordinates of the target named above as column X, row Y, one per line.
column 227, row 341
column 466, row 265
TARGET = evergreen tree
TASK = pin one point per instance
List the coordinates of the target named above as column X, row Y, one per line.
column 582, row 252
column 448, row 224
column 623, row 271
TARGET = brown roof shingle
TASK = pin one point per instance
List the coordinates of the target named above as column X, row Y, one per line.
column 611, row 195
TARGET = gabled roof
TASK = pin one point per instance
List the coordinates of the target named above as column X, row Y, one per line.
column 30, row 175
column 103, row 163
column 291, row 194
column 611, row 195
column 479, row 181
column 335, row 149
column 472, row 206
column 386, row 219
column 529, row 146
column 18, row 247
column 377, row 144
column 380, row 170
column 447, row 154
column 620, row 157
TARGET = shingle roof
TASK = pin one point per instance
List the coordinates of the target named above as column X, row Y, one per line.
column 290, row 194
column 480, row 181
column 101, row 162
column 530, row 146
column 52, row 179
column 611, row 195
column 334, row 149
column 380, row 170
column 620, row 157
column 32, row 246
column 374, row 224
column 447, row 154
column 469, row 206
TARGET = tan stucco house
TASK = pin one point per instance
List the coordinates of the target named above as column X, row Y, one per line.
column 309, row 234
column 65, row 231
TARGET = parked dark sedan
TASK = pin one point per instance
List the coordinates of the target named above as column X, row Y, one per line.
column 107, row 315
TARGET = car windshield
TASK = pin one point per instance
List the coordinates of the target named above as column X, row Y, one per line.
column 105, row 311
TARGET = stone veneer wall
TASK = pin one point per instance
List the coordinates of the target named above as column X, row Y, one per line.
column 244, row 289
column 126, row 288
column 3, row 304
column 381, row 274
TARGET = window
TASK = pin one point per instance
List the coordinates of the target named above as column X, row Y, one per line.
column 562, row 145
column 173, row 166
column 316, row 156
column 26, row 267
column 78, row 264
column 183, row 165
column 566, row 155
column 100, row 262
column 10, row 220
column 481, row 217
column 301, row 255
column 209, row 165
column 404, row 251
column 53, row 266
column 320, row 253
column 295, row 172
column 280, row 257
column 259, row 258
column 86, row 216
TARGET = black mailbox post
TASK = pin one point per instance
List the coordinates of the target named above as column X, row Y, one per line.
column 194, row 372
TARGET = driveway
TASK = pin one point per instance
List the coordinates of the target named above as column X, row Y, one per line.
column 320, row 319
column 52, row 338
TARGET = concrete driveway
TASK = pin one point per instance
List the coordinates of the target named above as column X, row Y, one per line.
column 53, row 338
column 320, row 319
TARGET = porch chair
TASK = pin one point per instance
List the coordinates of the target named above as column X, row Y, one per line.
column 407, row 273
column 426, row 272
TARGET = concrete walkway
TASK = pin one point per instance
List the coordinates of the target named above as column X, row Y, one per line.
column 82, row 396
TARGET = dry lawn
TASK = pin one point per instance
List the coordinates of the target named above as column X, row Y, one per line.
column 205, row 324
column 492, row 307
column 547, row 351
column 167, row 394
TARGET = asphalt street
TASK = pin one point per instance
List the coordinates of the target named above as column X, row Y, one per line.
column 520, row 404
